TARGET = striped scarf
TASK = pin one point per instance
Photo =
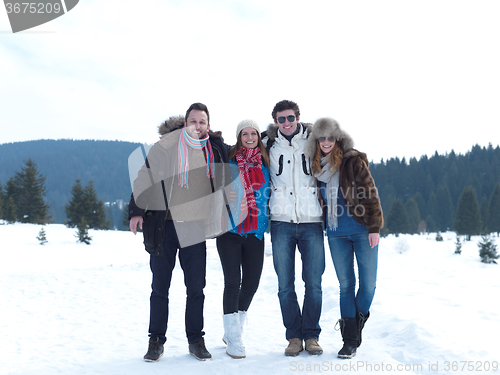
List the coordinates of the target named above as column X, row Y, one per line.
column 198, row 144
column 253, row 179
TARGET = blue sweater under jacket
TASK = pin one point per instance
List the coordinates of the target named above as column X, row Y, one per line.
column 346, row 223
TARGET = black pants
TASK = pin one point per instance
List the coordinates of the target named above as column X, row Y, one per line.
column 242, row 259
column 193, row 262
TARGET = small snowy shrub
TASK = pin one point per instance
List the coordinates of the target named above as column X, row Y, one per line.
column 488, row 250
column 402, row 245
column 458, row 246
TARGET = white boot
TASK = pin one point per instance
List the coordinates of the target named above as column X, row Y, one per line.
column 243, row 319
column 232, row 336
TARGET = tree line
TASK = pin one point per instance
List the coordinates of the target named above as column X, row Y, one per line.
column 444, row 192
column 417, row 195
column 23, row 200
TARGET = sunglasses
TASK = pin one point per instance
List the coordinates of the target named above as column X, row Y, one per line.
column 322, row 139
column 282, row 119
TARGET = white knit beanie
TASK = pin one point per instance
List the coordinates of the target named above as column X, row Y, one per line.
column 247, row 124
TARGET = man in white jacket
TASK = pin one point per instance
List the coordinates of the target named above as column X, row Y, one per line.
column 296, row 222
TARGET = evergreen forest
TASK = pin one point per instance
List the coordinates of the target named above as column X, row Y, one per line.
column 416, row 195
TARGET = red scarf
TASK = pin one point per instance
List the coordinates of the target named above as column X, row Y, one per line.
column 253, row 179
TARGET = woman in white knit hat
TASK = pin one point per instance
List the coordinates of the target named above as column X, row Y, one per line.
column 353, row 221
column 241, row 250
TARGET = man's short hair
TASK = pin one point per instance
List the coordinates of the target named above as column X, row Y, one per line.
column 283, row 106
column 198, row 107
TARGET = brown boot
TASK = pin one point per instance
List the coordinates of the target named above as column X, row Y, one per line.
column 294, row 347
column 313, row 348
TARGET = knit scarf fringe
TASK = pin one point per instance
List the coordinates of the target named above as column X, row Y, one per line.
column 331, row 179
column 198, row 144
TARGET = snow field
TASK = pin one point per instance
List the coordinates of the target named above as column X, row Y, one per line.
column 69, row 308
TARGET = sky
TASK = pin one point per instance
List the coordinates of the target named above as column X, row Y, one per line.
column 403, row 78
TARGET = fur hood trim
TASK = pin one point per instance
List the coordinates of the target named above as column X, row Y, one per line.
column 272, row 130
column 177, row 122
column 327, row 127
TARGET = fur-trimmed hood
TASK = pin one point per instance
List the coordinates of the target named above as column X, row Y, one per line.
column 327, row 127
column 177, row 122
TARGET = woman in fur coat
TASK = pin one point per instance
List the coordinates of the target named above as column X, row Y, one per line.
column 353, row 221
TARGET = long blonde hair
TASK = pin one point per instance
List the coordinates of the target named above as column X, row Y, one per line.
column 334, row 158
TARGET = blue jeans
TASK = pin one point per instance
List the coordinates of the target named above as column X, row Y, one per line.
column 308, row 237
column 343, row 249
column 193, row 262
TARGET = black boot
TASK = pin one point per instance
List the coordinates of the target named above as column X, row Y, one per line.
column 349, row 331
column 199, row 351
column 361, row 319
column 155, row 350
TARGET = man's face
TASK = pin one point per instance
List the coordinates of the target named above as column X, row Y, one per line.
column 197, row 124
column 286, row 126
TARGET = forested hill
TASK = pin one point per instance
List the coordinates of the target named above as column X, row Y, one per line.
column 434, row 182
column 64, row 161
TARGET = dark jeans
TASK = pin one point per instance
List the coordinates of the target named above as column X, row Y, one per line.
column 193, row 261
column 242, row 259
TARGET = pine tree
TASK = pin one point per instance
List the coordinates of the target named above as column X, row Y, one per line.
column 487, row 250
column 444, row 210
column 9, row 213
column 84, row 203
column 494, row 210
column 431, row 225
column 468, row 215
column 411, row 208
column 125, row 220
column 42, row 237
column 30, row 203
column 397, row 219
column 483, row 208
column 83, row 232
column 95, row 208
column 2, row 200
column 11, row 190
column 422, row 205
column 75, row 209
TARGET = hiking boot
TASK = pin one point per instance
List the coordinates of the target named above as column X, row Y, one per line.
column 361, row 319
column 294, row 347
column 349, row 331
column 199, row 351
column 313, row 348
column 155, row 350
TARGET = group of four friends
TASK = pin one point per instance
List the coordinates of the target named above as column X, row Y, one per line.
column 304, row 180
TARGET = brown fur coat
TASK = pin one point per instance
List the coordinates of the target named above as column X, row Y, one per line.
column 356, row 183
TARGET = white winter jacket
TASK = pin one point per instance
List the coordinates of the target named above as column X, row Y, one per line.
column 294, row 195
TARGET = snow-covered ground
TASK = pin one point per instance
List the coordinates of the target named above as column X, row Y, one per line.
column 70, row 308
